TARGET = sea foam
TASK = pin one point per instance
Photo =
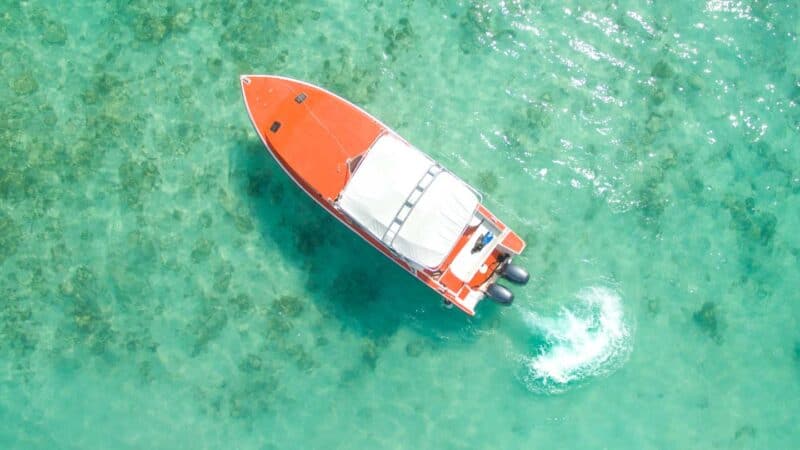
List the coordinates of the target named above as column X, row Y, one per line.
column 586, row 339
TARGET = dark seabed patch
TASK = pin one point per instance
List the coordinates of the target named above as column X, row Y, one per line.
column 707, row 318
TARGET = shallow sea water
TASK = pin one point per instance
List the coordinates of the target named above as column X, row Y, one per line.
column 164, row 285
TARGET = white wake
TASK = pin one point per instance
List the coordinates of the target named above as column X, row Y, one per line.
column 587, row 339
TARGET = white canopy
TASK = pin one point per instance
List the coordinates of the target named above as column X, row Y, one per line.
column 404, row 199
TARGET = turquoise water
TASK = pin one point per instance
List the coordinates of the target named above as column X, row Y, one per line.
column 164, row 285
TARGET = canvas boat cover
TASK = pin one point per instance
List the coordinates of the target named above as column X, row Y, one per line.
column 404, row 199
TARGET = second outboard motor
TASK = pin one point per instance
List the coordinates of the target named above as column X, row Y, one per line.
column 500, row 294
column 515, row 274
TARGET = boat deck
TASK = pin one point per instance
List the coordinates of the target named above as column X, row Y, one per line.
column 465, row 274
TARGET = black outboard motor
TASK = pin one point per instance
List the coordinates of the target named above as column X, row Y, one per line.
column 515, row 274
column 500, row 294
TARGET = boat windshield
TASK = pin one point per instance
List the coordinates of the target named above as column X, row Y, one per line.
column 353, row 163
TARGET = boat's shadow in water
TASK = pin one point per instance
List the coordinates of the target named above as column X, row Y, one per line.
column 347, row 278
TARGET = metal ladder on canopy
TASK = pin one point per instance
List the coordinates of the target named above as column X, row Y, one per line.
column 408, row 205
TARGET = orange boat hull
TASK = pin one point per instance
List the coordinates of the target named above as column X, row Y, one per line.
column 315, row 136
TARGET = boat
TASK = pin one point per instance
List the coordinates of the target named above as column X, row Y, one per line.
column 417, row 213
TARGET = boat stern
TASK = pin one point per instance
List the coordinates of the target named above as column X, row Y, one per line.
column 481, row 258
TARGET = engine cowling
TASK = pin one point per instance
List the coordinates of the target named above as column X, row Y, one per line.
column 500, row 294
column 515, row 274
